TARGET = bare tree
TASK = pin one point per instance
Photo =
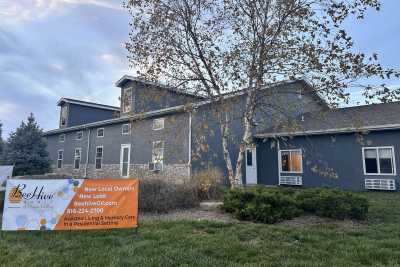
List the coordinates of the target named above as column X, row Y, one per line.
column 212, row 47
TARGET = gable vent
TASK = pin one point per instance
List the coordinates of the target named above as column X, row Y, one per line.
column 380, row 184
column 290, row 180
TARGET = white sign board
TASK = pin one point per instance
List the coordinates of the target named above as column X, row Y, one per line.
column 70, row 204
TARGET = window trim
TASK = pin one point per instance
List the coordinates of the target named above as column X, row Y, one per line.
column 130, row 129
column 96, row 158
column 123, row 107
column 62, row 158
column 163, row 150
column 97, row 133
column 59, row 138
column 378, row 162
column 280, row 160
column 80, row 158
column 122, row 158
column 163, row 124
column 79, row 139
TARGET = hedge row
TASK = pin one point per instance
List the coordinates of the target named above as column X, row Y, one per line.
column 271, row 205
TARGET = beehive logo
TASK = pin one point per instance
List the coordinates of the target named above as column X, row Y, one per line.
column 15, row 195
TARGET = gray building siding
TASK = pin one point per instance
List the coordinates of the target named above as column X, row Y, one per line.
column 79, row 115
column 147, row 97
column 328, row 160
column 176, row 149
column 278, row 104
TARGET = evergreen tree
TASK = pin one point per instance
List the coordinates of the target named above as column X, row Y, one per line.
column 26, row 149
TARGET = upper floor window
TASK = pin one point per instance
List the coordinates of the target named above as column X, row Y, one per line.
column 126, row 129
column 158, row 124
column 64, row 115
column 379, row 161
column 291, row 161
column 61, row 138
column 79, row 135
column 100, row 132
column 127, row 100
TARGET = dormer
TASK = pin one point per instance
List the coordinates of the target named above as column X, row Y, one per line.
column 138, row 96
column 75, row 112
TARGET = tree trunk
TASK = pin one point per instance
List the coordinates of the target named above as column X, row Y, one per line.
column 225, row 135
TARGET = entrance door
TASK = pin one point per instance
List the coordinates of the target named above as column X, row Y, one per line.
column 251, row 166
column 125, row 160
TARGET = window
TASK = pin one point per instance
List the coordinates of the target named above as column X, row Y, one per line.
column 291, row 161
column 126, row 129
column 100, row 132
column 99, row 157
column 158, row 124
column 125, row 159
column 127, row 100
column 158, row 152
column 79, row 135
column 379, row 161
column 60, row 159
column 77, row 158
column 249, row 157
column 63, row 116
column 61, row 138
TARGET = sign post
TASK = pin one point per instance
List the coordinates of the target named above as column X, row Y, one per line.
column 70, row 204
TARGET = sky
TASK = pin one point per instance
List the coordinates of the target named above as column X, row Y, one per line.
column 74, row 48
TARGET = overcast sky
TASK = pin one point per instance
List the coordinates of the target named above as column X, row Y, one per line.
column 74, row 48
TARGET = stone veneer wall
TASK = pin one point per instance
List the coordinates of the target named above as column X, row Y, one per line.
column 176, row 173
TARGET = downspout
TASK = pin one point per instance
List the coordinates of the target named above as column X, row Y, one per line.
column 279, row 163
column 87, row 153
column 190, row 145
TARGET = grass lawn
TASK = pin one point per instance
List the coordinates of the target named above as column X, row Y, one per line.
column 374, row 242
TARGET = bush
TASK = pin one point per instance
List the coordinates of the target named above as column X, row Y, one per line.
column 270, row 205
column 210, row 184
column 333, row 203
column 261, row 205
column 159, row 196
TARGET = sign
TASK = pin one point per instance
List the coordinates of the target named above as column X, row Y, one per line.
column 70, row 204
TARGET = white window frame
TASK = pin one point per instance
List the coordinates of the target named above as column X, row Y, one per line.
column 130, row 129
column 122, row 158
column 97, row 133
column 378, row 161
column 280, row 160
column 124, row 107
column 162, row 149
column 80, row 157
column 155, row 121
column 96, row 158
column 62, row 158
column 79, row 139
column 63, row 139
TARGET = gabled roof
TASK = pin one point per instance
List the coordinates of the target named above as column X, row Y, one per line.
column 87, row 104
column 124, row 79
column 351, row 119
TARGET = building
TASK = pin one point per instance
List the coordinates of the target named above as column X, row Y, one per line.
column 162, row 132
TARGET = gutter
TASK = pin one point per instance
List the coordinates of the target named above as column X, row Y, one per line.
column 332, row 131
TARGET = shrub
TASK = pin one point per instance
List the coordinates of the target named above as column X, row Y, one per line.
column 210, row 184
column 261, row 205
column 159, row 196
column 270, row 205
column 333, row 203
